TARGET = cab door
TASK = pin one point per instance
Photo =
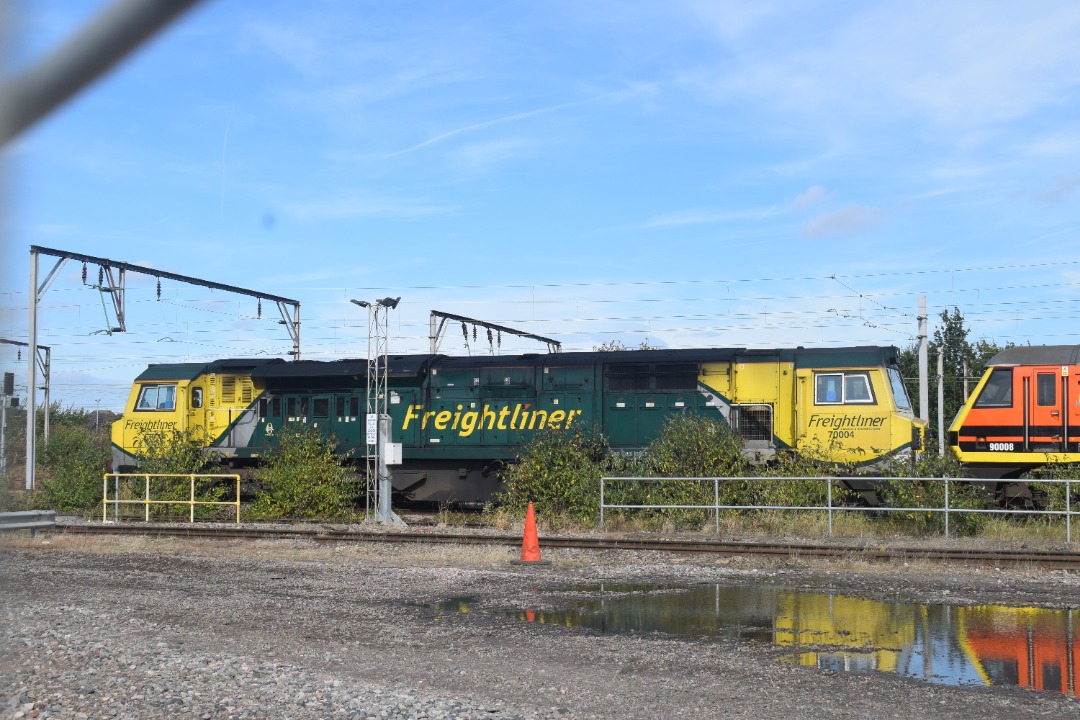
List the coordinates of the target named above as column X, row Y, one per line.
column 1046, row 410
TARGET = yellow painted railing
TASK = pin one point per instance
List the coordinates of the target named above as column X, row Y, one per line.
column 147, row 501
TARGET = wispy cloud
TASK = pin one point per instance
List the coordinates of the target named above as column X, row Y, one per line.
column 846, row 221
column 481, row 156
column 360, row 204
column 684, row 218
column 514, row 117
column 813, row 195
column 1061, row 188
column 963, row 65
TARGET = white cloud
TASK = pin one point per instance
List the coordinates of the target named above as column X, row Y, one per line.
column 813, row 195
column 848, row 220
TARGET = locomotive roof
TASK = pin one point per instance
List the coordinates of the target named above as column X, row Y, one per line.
column 399, row 366
column 1038, row 355
column 406, row 366
column 190, row 371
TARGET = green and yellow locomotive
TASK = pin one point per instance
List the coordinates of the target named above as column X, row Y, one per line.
column 459, row 419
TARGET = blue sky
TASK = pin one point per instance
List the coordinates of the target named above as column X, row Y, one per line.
column 752, row 174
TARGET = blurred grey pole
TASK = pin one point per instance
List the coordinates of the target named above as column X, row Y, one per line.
column 92, row 51
column 31, row 376
column 924, row 389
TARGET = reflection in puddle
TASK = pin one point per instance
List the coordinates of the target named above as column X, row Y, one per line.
column 978, row 645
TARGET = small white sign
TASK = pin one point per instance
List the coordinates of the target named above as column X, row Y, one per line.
column 372, row 428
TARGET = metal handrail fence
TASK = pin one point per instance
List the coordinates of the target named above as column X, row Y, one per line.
column 146, row 501
column 830, row 507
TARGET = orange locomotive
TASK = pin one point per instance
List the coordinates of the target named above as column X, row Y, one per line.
column 1024, row 413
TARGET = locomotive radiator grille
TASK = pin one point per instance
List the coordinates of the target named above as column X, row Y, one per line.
column 752, row 422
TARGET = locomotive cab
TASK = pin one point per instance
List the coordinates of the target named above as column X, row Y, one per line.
column 1024, row 413
column 209, row 403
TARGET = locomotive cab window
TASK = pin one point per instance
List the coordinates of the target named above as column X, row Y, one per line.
column 157, row 397
column 900, row 394
column 843, row 389
column 998, row 390
column 196, row 397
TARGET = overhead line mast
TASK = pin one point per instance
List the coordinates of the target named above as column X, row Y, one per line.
column 116, row 287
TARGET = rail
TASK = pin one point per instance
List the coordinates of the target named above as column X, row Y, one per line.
column 32, row 520
column 830, row 506
column 147, row 501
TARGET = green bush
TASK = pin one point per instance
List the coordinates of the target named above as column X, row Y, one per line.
column 303, row 477
column 558, row 471
column 70, row 468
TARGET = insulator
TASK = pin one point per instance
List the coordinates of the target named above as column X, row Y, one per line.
column 491, row 338
column 260, row 308
column 159, row 288
column 18, row 355
column 500, row 339
column 100, row 275
column 474, row 333
column 465, row 332
column 84, row 273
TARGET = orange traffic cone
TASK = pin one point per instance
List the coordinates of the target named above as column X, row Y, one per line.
column 530, row 545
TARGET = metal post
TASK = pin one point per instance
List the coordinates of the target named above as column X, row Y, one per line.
column 146, row 499
column 828, row 481
column 1068, row 511
column 941, row 403
column 47, row 373
column 602, row 504
column 716, row 502
column 384, row 515
column 946, row 508
column 924, row 386
column 3, row 440
column 31, row 374
column 191, row 507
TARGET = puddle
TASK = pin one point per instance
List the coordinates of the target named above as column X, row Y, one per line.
column 976, row 645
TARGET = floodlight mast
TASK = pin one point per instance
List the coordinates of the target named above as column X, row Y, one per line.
column 377, row 472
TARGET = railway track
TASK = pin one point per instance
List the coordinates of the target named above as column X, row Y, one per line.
column 1056, row 559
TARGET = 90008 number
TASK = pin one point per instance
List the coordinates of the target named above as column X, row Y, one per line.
column 1003, row 446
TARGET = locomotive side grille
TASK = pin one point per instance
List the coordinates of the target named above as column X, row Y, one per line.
column 228, row 388
column 247, row 391
column 752, row 422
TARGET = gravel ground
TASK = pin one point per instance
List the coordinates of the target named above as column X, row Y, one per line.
column 103, row 627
